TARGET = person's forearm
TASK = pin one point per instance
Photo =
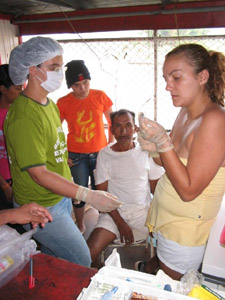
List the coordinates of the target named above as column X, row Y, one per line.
column 57, row 184
column 111, row 137
column 7, row 216
column 108, row 119
column 115, row 215
column 54, row 182
column 3, row 182
column 27, row 213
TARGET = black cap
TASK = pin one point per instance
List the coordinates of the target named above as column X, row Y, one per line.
column 76, row 71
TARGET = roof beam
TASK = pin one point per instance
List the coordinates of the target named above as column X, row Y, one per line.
column 75, row 4
column 197, row 14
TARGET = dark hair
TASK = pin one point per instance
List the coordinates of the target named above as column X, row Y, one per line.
column 120, row 113
column 5, row 80
column 202, row 59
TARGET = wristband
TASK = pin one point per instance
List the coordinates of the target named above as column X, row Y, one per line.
column 5, row 186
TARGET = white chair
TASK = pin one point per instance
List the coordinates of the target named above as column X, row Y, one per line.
column 148, row 244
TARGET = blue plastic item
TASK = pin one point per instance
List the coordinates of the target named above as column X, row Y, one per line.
column 108, row 295
column 167, row 287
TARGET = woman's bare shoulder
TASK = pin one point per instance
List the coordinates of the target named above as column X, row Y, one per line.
column 215, row 113
column 212, row 125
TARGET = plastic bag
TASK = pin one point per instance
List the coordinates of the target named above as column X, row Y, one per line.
column 188, row 281
column 113, row 259
column 15, row 251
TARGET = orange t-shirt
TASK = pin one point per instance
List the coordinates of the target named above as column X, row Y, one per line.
column 85, row 121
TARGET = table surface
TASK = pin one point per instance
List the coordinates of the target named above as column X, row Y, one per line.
column 54, row 279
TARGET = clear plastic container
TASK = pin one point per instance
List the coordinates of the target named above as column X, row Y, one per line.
column 15, row 251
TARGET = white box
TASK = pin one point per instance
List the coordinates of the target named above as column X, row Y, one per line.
column 128, row 281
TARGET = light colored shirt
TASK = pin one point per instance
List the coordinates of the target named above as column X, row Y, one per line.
column 35, row 137
column 187, row 223
column 128, row 174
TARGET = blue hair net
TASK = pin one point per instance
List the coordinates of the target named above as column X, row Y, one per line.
column 31, row 53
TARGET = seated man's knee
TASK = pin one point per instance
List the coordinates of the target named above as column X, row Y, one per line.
column 94, row 242
column 99, row 239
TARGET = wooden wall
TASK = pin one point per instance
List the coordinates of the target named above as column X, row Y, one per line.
column 9, row 38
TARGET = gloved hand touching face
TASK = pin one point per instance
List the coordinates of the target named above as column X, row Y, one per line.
column 155, row 133
column 101, row 200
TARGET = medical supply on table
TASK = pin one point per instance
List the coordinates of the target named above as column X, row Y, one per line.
column 139, row 285
column 31, row 277
column 205, row 293
column 109, row 295
column 15, row 251
column 167, row 287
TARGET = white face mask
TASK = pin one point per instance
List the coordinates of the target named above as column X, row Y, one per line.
column 53, row 81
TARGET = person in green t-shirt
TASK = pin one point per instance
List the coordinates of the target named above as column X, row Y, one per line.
column 38, row 153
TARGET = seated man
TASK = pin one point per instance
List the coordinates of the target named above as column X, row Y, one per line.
column 128, row 172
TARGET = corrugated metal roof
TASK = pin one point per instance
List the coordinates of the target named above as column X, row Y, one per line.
column 66, row 16
column 18, row 8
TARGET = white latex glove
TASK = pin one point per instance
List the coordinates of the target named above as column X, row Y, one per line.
column 101, row 200
column 155, row 133
column 147, row 146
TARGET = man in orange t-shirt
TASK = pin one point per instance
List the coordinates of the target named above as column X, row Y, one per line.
column 83, row 110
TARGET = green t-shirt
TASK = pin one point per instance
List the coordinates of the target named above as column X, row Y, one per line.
column 34, row 137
